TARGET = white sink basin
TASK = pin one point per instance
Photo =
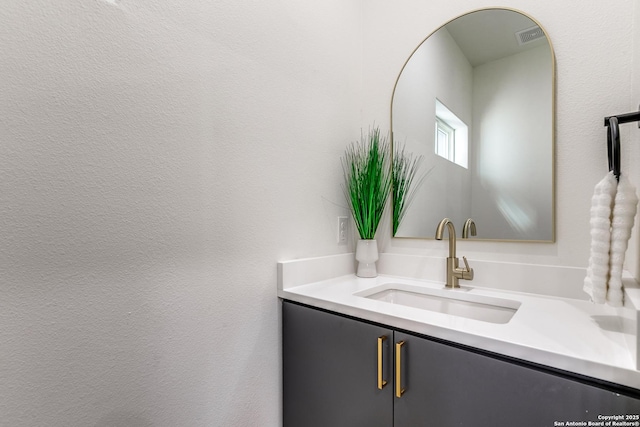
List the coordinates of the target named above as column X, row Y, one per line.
column 452, row 302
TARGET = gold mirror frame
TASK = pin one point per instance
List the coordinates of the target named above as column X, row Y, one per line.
column 552, row 111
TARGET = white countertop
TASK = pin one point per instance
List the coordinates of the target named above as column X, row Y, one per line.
column 568, row 334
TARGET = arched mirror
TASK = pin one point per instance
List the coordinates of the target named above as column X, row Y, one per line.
column 476, row 100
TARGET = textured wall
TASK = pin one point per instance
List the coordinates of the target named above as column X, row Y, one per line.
column 633, row 146
column 158, row 158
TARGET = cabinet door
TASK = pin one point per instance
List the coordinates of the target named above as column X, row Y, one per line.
column 450, row 386
column 330, row 370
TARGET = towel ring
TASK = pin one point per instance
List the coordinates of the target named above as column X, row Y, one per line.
column 613, row 146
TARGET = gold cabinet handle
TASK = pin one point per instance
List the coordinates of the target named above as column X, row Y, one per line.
column 399, row 390
column 381, row 381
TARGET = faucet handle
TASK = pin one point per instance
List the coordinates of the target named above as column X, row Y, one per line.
column 467, row 273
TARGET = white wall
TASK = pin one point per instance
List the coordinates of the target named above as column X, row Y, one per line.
column 593, row 80
column 158, row 158
column 513, row 152
column 630, row 162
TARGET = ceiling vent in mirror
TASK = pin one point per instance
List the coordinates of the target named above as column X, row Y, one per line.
column 529, row 35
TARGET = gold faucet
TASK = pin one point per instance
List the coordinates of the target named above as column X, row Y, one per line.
column 454, row 272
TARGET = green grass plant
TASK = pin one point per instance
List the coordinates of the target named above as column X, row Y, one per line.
column 403, row 173
column 367, row 180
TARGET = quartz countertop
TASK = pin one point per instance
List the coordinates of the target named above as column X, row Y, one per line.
column 562, row 333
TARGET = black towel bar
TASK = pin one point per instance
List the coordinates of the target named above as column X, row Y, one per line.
column 625, row 118
column 613, row 138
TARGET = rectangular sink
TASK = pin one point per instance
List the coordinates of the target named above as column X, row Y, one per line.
column 452, row 302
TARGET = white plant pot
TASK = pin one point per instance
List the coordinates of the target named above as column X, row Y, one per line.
column 367, row 255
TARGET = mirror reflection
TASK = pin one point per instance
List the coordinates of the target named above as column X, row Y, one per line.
column 476, row 100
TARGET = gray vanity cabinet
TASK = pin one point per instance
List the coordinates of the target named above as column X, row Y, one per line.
column 330, row 370
column 450, row 386
column 330, row 379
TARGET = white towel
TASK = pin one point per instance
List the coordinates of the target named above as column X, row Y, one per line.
column 624, row 211
column 595, row 284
